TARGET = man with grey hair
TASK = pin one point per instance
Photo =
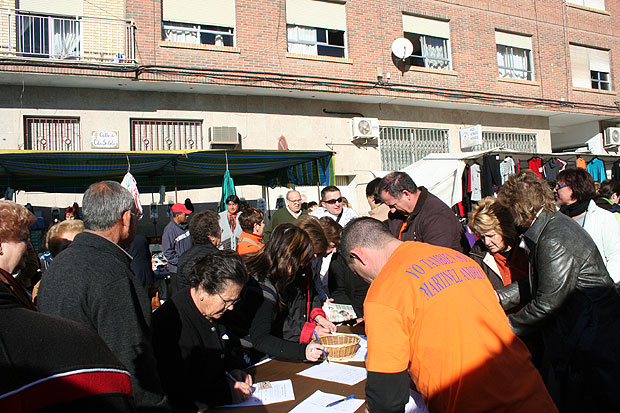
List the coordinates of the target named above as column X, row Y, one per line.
column 91, row 282
column 291, row 211
column 417, row 215
column 432, row 316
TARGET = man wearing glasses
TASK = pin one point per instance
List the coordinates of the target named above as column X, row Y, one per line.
column 289, row 213
column 332, row 206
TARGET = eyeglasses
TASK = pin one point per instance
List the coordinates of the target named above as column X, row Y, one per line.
column 295, row 201
column 558, row 187
column 333, row 201
column 228, row 303
column 137, row 214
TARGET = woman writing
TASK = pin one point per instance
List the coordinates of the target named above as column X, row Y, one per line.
column 497, row 250
column 284, row 323
column 191, row 345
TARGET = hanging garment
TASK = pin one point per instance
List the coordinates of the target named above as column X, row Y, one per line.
column 581, row 163
column 615, row 171
column 596, row 168
column 563, row 163
column 506, row 168
column 475, row 182
column 490, row 179
column 551, row 168
column 535, row 164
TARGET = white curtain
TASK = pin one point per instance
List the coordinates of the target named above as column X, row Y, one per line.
column 179, row 35
column 296, row 35
column 513, row 62
column 66, row 39
column 432, row 48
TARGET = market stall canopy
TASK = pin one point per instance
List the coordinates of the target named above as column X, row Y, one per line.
column 72, row 172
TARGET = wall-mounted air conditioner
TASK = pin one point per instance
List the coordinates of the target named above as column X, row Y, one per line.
column 223, row 135
column 612, row 138
column 365, row 129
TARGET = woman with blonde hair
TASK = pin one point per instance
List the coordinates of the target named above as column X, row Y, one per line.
column 497, row 250
column 575, row 308
column 14, row 241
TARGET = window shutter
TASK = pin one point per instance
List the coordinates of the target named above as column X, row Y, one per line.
column 207, row 12
column 513, row 40
column 580, row 66
column 428, row 27
column 64, row 7
column 315, row 13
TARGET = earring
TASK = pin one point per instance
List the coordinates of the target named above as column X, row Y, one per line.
column 202, row 298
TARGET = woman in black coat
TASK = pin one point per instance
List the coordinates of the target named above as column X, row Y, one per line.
column 575, row 308
column 193, row 356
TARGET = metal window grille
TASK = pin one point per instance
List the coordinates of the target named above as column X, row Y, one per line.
column 52, row 134
column 164, row 135
column 400, row 147
column 524, row 142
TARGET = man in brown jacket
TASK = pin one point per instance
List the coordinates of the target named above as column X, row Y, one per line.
column 417, row 215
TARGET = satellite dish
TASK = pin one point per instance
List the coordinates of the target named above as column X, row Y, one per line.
column 402, row 48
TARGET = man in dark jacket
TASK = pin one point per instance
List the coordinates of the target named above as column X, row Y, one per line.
column 417, row 215
column 91, row 282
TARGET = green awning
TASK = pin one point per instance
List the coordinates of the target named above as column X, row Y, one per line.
column 47, row 171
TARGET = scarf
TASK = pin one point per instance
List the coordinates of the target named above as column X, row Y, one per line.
column 575, row 209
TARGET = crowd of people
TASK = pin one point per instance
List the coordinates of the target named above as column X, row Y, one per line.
column 525, row 319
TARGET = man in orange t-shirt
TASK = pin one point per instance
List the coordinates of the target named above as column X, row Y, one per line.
column 432, row 315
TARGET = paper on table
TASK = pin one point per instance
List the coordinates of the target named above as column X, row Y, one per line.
column 318, row 401
column 279, row 391
column 336, row 372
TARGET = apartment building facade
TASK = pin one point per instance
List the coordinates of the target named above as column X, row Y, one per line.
column 536, row 75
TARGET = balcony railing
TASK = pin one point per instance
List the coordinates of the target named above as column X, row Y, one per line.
column 83, row 38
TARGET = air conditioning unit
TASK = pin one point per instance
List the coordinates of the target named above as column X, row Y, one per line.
column 612, row 138
column 223, row 135
column 365, row 129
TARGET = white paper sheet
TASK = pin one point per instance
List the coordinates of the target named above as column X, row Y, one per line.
column 318, row 401
column 336, row 372
column 280, row 391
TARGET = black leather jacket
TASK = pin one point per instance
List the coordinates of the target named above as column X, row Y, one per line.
column 563, row 260
column 575, row 309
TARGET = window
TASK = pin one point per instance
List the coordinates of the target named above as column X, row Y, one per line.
column 400, row 147
column 524, row 142
column 316, row 27
column 199, row 22
column 164, row 135
column 52, row 134
column 315, row 41
column 49, row 37
column 431, row 42
column 590, row 67
column 514, row 56
column 594, row 4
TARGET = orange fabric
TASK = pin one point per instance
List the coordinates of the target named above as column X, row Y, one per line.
column 581, row 163
column 433, row 312
column 402, row 229
column 245, row 247
column 513, row 269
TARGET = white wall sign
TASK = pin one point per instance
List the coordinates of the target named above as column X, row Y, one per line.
column 104, row 139
column 471, row 136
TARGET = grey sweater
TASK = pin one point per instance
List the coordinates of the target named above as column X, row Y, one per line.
column 91, row 283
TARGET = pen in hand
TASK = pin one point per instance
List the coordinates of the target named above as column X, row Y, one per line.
column 319, row 341
column 341, row 400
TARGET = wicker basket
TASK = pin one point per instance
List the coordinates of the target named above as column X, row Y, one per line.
column 340, row 347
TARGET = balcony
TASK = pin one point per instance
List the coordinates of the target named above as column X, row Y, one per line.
column 79, row 38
